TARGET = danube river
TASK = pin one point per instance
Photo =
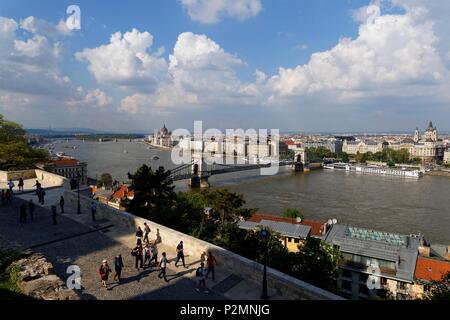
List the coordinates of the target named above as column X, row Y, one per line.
column 384, row 203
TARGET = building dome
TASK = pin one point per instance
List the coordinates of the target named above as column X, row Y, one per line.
column 164, row 131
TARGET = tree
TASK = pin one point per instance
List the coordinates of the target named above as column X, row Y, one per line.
column 361, row 157
column 15, row 153
column 440, row 290
column 151, row 189
column 343, row 156
column 228, row 205
column 106, row 180
column 292, row 213
column 319, row 153
column 316, row 263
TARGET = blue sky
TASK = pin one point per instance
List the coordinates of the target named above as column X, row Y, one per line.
column 192, row 60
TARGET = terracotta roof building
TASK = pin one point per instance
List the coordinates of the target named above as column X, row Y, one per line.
column 428, row 269
column 67, row 167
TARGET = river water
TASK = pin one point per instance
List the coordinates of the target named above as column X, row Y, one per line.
column 392, row 204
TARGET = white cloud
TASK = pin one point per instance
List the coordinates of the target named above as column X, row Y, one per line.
column 126, row 60
column 29, row 70
column 42, row 27
column 211, row 11
column 92, row 99
column 394, row 50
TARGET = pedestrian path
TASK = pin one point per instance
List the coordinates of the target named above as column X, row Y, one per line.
column 77, row 240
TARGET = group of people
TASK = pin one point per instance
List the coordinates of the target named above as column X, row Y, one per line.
column 28, row 209
column 145, row 254
column 20, row 184
column 104, row 271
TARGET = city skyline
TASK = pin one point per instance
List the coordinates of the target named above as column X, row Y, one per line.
column 303, row 67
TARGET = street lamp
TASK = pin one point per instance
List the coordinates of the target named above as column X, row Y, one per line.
column 265, row 242
column 78, row 187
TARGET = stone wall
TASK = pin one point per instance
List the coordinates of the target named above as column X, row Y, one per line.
column 50, row 179
column 284, row 285
column 37, row 279
column 15, row 175
column 47, row 179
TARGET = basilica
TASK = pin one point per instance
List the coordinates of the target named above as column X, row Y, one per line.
column 428, row 147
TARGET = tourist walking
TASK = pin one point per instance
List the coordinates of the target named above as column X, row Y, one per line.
column 8, row 197
column 211, row 263
column 162, row 267
column 31, row 208
column 201, row 276
column 146, row 232
column 104, row 272
column 139, row 234
column 11, row 185
column 137, row 254
column 147, row 255
column 118, row 266
column 154, row 253
column 20, row 184
column 38, row 186
column 41, row 195
column 180, row 254
column 54, row 215
column 93, row 210
column 61, row 204
column 23, row 213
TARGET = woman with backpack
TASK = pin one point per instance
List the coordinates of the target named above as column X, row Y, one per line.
column 104, row 272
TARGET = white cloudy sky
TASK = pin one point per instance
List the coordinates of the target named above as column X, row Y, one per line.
column 374, row 72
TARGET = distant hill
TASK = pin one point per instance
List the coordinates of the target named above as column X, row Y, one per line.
column 75, row 132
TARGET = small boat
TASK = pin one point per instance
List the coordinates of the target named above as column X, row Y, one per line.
column 155, row 158
column 125, row 151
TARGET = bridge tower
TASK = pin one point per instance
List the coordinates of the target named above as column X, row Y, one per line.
column 200, row 172
column 300, row 161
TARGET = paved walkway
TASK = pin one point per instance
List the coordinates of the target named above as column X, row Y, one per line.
column 76, row 240
column 29, row 185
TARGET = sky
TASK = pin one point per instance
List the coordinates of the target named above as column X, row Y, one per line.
column 293, row 65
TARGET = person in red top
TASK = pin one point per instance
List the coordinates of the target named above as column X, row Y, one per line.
column 211, row 262
column 104, row 272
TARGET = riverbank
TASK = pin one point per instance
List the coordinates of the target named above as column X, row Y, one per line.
column 155, row 146
column 438, row 173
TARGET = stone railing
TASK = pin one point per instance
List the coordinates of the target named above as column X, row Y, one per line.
column 52, row 180
column 47, row 179
column 285, row 286
column 15, row 175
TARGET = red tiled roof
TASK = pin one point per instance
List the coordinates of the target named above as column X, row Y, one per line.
column 431, row 269
column 120, row 193
column 316, row 226
column 65, row 162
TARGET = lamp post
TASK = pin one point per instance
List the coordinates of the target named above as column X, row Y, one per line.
column 265, row 242
column 78, row 187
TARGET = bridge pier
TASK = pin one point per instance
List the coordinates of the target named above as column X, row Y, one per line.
column 197, row 182
column 300, row 162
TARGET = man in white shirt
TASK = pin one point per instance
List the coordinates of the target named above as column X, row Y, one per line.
column 162, row 266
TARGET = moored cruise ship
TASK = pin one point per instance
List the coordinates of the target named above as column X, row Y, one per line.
column 372, row 169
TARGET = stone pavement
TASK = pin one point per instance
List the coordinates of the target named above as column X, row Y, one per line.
column 72, row 243
column 77, row 240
